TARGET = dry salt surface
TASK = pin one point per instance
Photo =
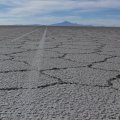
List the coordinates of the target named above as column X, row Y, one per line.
column 59, row 73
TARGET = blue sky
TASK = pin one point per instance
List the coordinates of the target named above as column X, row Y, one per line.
column 90, row 12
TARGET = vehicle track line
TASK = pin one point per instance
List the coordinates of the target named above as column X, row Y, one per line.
column 23, row 35
column 33, row 77
column 36, row 62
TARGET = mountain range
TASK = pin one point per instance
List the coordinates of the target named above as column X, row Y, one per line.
column 64, row 23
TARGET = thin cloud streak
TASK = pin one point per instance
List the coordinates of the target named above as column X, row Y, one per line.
column 34, row 6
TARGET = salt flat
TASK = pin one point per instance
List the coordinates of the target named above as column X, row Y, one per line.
column 59, row 73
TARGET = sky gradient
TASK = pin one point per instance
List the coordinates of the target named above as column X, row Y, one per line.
column 87, row 12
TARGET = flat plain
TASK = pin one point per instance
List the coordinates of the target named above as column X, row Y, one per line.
column 59, row 73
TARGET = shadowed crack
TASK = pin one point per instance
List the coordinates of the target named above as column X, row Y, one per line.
column 10, row 89
column 102, row 61
column 53, row 69
column 38, row 87
column 66, row 59
column 73, row 83
column 63, row 68
column 71, row 60
column 51, row 76
column 60, row 56
column 63, row 55
column 56, row 83
column 9, row 71
column 57, row 46
column 103, row 69
column 61, row 83
column 58, row 52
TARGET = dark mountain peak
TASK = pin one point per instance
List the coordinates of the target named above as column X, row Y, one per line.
column 66, row 23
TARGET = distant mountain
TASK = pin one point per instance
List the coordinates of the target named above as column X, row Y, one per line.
column 66, row 23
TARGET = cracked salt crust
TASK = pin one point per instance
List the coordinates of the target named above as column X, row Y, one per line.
column 79, row 75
